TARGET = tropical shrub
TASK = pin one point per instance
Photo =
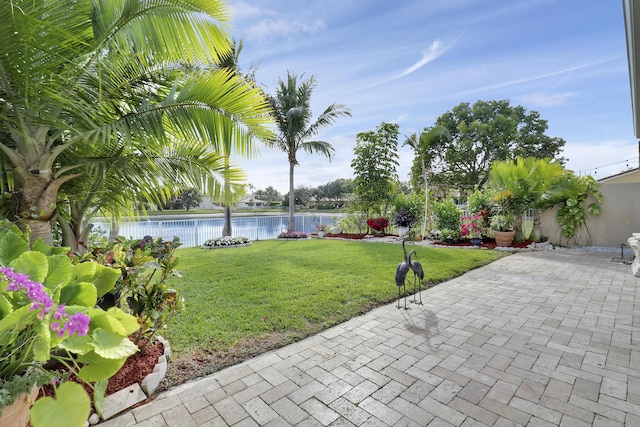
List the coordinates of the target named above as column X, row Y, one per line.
column 145, row 265
column 378, row 224
column 407, row 210
column 293, row 235
column 48, row 314
column 447, row 214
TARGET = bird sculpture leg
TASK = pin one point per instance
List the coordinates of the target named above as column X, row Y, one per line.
column 404, row 288
column 416, row 284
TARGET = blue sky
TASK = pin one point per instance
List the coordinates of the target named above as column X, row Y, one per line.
column 409, row 61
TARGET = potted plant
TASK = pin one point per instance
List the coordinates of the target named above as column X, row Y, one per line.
column 321, row 229
column 472, row 228
column 502, row 226
column 404, row 221
column 48, row 314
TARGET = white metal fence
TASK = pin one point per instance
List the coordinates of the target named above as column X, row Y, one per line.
column 194, row 231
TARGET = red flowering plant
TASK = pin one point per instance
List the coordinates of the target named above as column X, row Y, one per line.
column 378, row 224
column 472, row 226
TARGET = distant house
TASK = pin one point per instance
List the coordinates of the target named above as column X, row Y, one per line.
column 250, row 202
column 619, row 214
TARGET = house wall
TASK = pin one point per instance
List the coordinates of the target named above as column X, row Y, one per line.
column 619, row 218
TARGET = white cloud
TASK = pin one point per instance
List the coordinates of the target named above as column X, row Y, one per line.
column 546, row 100
column 273, row 28
column 430, row 54
column 242, row 10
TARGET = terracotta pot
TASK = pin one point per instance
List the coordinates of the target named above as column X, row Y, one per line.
column 504, row 238
column 17, row 414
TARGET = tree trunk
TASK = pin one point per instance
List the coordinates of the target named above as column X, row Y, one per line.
column 226, row 229
column 517, row 226
column 37, row 197
column 292, row 199
column 536, row 230
column 114, row 230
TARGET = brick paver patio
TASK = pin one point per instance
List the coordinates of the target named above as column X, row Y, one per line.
column 538, row 338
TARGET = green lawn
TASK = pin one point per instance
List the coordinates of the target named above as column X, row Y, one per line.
column 292, row 288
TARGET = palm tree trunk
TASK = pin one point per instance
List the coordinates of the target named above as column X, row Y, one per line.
column 292, row 199
column 226, row 230
column 536, row 230
column 517, row 226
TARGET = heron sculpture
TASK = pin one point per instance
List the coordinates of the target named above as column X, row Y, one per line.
column 401, row 275
column 403, row 269
column 418, row 275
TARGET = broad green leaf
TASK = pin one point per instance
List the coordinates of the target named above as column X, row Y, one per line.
column 111, row 345
column 40, row 246
column 42, row 344
column 82, row 293
column 105, row 279
column 130, row 323
column 5, row 306
column 107, row 322
column 70, row 407
column 86, row 271
column 33, row 264
column 97, row 368
column 15, row 322
column 60, row 271
column 77, row 345
column 11, row 247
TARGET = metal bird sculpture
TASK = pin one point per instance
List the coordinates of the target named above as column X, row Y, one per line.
column 418, row 275
column 401, row 275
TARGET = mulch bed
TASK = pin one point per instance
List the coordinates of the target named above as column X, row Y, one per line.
column 134, row 370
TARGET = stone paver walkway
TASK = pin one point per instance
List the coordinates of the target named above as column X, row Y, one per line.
column 539, row 338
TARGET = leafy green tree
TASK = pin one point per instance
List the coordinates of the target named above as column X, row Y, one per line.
column 301, row 196
column 187, row 199
column 336, row 190
column 292, row 110
column 375, row 167
column 269, row 194
column 85, row 82
column 481, row 134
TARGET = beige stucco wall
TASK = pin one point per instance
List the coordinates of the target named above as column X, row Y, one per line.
column 619, row 217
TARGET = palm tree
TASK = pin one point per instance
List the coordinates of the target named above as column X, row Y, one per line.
column 420, row 145
column 80, row 74
column 292, row 110
column 231, row 193
column 525, row 179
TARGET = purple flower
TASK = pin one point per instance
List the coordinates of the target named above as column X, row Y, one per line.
column 77, row 323
column 60, row 312
column 35, row 291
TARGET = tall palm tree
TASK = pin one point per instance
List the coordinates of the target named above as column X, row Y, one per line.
column 292, row 110
column 231, row 193
column 76, row 74
column 420, row 144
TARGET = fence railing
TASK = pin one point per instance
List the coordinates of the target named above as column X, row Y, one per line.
column 194, row 231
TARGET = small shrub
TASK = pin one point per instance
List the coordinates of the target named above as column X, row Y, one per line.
column 146, row 264
column 447, row 215
column 226, row 241
column 293, row 235
column 378, row 224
